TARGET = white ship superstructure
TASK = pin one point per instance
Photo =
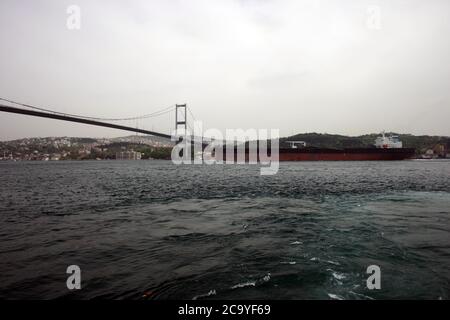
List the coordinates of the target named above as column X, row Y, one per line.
column 388, row 142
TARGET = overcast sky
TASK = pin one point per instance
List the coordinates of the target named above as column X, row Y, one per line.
column 345, row 67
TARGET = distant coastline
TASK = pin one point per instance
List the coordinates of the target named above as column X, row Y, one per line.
column 149, row 147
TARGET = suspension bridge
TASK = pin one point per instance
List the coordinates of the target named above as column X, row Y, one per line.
column 181, row 117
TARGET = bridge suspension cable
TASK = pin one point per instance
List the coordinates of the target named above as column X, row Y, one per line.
column 150, row 115
column 193, row 118
column 192, row 115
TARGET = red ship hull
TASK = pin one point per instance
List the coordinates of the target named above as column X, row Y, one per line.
column 354, row 154
column 321, row 154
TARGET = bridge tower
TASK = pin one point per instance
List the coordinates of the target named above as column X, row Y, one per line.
column 180, row 113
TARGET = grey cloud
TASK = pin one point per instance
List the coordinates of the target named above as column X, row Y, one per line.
column 294, row 65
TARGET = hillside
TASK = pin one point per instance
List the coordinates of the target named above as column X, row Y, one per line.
column 420, row 143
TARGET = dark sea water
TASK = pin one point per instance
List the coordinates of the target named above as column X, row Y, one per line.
column 154, row 230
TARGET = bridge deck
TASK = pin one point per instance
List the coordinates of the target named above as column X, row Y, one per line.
column 9, row 109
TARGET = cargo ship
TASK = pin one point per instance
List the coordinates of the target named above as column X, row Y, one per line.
column 384, row 148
